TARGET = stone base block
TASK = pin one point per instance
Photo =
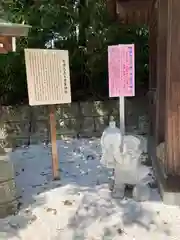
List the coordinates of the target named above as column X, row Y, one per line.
column 8, row 195
column 8, row 198
column 9, row 208
column 169, row 186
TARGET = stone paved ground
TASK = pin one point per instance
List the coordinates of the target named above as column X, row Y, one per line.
column 80, row 206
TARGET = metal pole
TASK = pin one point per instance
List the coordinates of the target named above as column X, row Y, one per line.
column 122, row 114
column 122, row 118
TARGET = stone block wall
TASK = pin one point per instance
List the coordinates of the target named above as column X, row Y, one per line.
column 31, row 124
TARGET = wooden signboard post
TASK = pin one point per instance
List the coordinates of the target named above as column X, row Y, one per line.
column 55, row 160
column 48, row 81
column 121, row 76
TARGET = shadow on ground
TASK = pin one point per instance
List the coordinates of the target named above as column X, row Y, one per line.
column 83, row 179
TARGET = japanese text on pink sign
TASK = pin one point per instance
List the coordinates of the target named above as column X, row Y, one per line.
column 121, row 70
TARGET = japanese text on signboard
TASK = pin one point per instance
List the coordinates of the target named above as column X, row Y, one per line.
column 121, row 70
column 48, row 76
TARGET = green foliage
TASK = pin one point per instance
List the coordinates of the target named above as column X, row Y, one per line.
column 82, row 27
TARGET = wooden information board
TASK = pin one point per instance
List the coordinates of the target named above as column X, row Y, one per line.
column 48, row 81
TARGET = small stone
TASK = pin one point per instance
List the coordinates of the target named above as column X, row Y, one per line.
column 52, row 210
column 67, row 203
column 59, row 185
column 19, row 205
column 33, row 219
column 27, row 211
column 97, row 183
column 43, row 174
column 90, row 157
column 37, row 185
column 13, row 225
column 120, row 231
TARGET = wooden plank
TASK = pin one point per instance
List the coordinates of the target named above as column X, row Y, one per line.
column 153, row 13
column 111, row 8
column 133, row 12
column 172, row 137
column 55, row 160
column 152, row 70
column 135, row 4
column 161, row 70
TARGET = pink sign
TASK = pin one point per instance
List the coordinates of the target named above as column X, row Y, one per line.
column 121, row 70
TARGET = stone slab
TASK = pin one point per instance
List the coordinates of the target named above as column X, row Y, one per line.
column 168, row 197
column 8, row 198
column 9, row 208
column 8, row 203
column 7, row 191
column 6, row 169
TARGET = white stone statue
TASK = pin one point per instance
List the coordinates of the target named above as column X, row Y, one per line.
column 110, row 143
column 123, row 154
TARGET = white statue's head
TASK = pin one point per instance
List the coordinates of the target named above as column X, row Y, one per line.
column 112, row 123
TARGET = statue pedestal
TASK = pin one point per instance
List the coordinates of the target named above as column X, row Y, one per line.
column 8, row 202
column 8, row 196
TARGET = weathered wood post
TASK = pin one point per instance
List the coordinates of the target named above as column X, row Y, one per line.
column 172, row 114
column 162, row 27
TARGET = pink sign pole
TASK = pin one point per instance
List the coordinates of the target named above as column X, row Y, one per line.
column 121, row 76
